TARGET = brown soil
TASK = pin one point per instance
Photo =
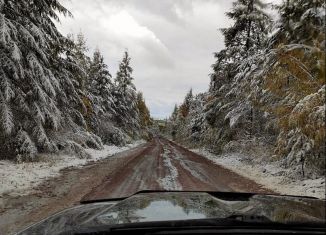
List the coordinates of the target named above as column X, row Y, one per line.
column 56, row 194
column 195, row 173
column 142, row 168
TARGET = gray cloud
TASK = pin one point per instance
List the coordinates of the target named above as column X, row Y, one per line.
column 170, row 41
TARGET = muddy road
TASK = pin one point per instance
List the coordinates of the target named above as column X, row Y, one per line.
column 156, row 165
column 164, row 165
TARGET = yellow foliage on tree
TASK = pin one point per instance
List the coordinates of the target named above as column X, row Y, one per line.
column 144, row 114
column 87, row 104
column 184, row 110
column 297, row 81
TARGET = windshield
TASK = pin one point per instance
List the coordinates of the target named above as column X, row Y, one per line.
column 102, row 99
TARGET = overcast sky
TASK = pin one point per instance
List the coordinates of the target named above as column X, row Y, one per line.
column 171, row 42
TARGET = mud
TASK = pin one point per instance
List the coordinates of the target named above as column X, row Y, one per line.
column 164, row 165
column 157, row 165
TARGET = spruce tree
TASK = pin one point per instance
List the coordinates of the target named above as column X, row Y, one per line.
column 99, row 82
column 300, row 21
column 125, row 98
column 77, row 54
column 124, row 79
column 244, row 38
column 230, row 108
column 38, row 95
column 249, row 32
column 285, row 81
column 293, row 78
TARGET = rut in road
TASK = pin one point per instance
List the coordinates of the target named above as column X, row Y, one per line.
column 163, row 165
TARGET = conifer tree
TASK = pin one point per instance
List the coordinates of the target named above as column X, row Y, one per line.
column 124, row 79
column 79, row 51
column 38, row 95
column 267, row 89
column 185, row 106
column 188, row 98
column 174, row 114
column 244, row 38
column 300, row 22
column 294, row 81
column 125, row 98
column 145, row 118
column 250, row 29
column 99, row 82
column 173, row 122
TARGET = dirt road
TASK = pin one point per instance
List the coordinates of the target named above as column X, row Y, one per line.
column 164, row 165
column 157, row 165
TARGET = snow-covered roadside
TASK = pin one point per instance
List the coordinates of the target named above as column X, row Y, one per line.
column 270, row 175
column 21, row 178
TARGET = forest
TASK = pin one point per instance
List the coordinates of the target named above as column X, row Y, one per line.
column 267, row 90
column 266, row 94
column 54, row 98
column 78, row 141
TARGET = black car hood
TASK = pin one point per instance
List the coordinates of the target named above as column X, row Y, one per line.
column 166, row 206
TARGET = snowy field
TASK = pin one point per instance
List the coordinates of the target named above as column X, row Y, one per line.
column 21, row 178
column 270, row 175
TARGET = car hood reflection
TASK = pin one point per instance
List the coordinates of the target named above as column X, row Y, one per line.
column 159, row 210
column 148, row 207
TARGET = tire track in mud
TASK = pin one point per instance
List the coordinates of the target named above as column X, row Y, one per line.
column 144, row 167
column 126, row 178
column 164, row 165
column 170, row 180
column 216, row 177
column 190, row 175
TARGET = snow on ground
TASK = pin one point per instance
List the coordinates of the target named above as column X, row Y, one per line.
column 271, row 175
column 170, row 181
column 187, row 164
column 20, row 178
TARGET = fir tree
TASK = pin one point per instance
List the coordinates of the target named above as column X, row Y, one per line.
column 249, row 32
column 125, row 99
column 244, row 38
column 300, row 22
column 38, row 95
column 99, row 81
column 294, row 80
column 272, row 91
column 124, row 79
column 81, row 59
